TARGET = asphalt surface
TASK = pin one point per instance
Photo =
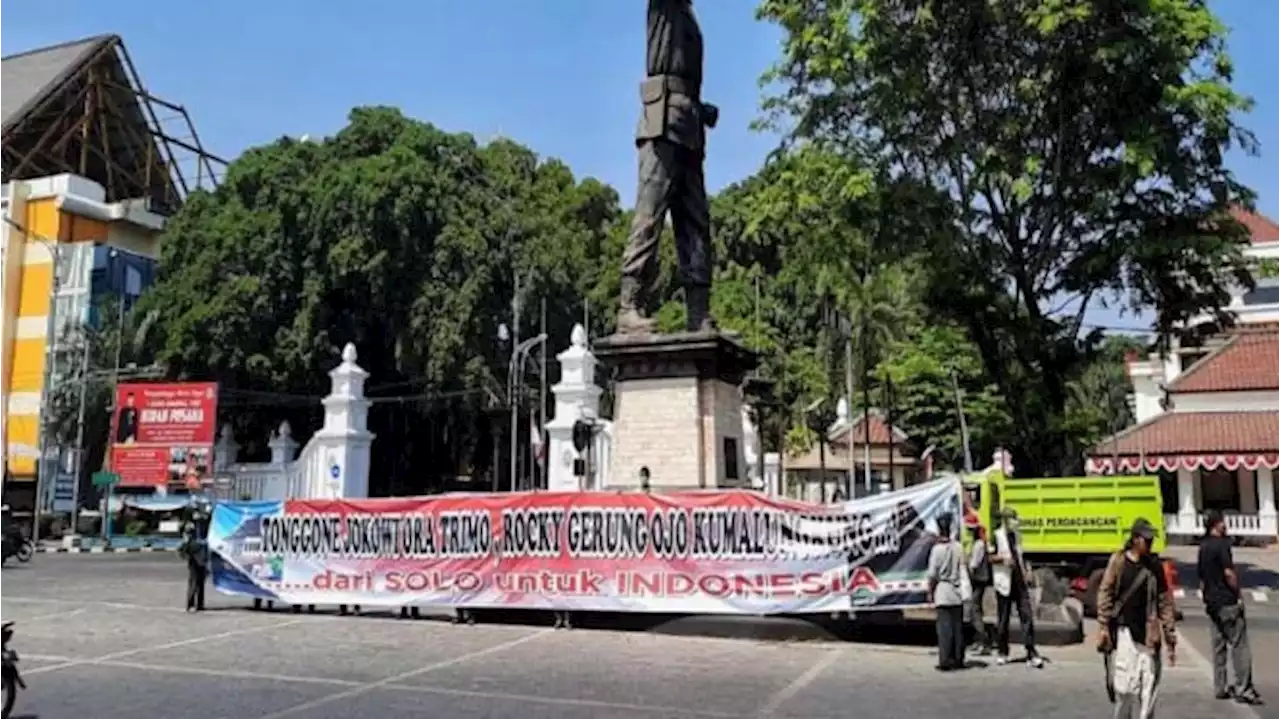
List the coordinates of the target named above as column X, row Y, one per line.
column 1258, row 575
column 104, row 636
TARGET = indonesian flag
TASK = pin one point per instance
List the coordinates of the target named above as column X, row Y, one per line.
column 535, row 441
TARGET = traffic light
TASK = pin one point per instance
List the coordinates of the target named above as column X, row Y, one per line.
column 582, row 432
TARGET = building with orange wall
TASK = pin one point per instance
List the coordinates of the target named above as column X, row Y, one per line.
column 63, row 216
column 91, row 170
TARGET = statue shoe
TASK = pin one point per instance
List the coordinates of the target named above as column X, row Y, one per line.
column 631, row 322
column 698, row 310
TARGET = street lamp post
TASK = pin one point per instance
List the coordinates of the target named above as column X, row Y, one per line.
column 515, row 378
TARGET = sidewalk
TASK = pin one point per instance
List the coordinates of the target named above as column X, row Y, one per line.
column 1259, row 572
column 119, row 545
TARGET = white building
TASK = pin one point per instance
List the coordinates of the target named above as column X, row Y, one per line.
column 1208, row 413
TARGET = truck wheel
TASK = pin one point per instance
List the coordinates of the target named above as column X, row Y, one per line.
column 1090, row 598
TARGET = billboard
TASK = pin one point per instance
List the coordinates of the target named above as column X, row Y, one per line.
column 734, row 552
column 163, row 433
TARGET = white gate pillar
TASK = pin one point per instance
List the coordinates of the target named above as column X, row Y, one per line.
column 577, row 397
column 344, row 442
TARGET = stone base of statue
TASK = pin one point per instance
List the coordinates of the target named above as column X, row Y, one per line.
column 677, row 409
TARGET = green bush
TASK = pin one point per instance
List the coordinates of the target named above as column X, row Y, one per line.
column 136, row 528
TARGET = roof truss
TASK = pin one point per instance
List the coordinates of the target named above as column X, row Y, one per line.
column 95, row 119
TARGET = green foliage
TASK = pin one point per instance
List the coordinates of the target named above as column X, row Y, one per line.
column 926, row 370
column 1098, row 399
column 397, row 237
column 1079, row 148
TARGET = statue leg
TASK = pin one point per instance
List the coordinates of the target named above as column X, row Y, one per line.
column 691, row 220
column 640, row 260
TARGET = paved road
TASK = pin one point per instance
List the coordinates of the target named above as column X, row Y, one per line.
column 104, row 636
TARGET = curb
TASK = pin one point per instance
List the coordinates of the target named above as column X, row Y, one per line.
column 103, row 550
column 1258, row 596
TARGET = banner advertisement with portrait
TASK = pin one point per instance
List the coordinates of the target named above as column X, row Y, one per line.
column 163, row 433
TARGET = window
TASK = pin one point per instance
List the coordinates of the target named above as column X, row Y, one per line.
column 74, row 266
column 132, row 281
column 1219, row 489
column 730, row 445
column 1168, row 491
column 119, row 274
column 71, row 312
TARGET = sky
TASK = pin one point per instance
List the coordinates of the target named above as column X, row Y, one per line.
column 559, row 76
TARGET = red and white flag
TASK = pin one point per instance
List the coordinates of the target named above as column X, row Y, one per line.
column 535, row 441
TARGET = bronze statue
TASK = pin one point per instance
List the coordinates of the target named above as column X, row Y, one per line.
column 670, row 142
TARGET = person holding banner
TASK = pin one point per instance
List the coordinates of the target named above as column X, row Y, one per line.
column 195, row 549
column 948, row 584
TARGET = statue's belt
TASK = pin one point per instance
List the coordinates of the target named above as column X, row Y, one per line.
column 656, row 87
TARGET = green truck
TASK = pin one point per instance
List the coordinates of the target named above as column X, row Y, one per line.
column 1069, row 525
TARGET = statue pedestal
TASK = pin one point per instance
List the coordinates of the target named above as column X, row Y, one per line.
column 677, row 409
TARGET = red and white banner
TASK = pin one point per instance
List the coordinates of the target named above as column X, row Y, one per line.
column 732, row 552
column 162, row 433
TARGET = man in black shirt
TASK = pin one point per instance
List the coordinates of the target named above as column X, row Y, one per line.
column 127, row 422
column 1220, row 586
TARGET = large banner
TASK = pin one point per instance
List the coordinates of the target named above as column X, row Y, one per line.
column 732, row 552
column 163, row 433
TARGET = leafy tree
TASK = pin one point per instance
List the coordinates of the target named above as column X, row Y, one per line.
column 1080, row 146
column 398, row 237
column 926, row 369
column 1098, row 399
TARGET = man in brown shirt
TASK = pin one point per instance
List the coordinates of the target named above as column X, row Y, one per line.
column 1136, row 617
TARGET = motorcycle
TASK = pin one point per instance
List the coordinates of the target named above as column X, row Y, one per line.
column 10, row 679
column 21, row 547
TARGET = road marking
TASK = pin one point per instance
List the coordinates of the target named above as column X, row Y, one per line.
column 800, row 682
column 366, row 688
column 54, row 615
column 568, row 702
column 162, row 647
column 1259, row 596
column 1205, row 668
column 109, row 605
column 231, row 674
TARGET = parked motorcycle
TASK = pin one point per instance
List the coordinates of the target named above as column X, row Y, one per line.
column 18, row 546
column 10, row 679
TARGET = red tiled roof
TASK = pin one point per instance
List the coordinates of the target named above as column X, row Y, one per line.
column 879, row 431
column 1262, row 229
column 1248, row 361
column 1196, row 433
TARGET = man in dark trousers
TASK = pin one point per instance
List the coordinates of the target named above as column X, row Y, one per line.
column 127, row 421
column 1220, row 587
column 195, row 548
column 670, row 143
